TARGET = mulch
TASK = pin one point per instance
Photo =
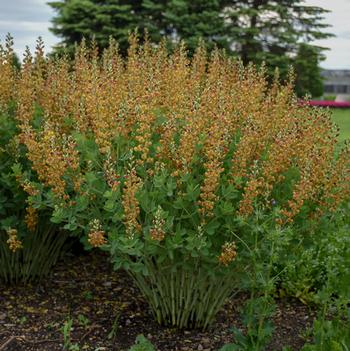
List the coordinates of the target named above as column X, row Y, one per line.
column 107, row 313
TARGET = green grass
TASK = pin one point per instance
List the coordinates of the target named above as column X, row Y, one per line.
column 342, row 118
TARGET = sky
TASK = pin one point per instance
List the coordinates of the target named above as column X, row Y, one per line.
column 339, row 18
column 28, row 19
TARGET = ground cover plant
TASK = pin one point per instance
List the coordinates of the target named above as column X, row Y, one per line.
column 199, row 177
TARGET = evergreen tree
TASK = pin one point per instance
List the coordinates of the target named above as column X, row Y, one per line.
column 78, row 19
column 173, row 20
column 150, row 17
column 191, row 20
column 308, row 72
column 271, row 30
column 255, row 30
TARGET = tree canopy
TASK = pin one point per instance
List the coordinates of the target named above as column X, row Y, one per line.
column 257, row 31
column 173, row 20
column 308, row 72
column 78, row 19
column 272, row 31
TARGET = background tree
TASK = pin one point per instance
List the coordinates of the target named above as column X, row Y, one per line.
column 78, row 19
column 150, row 16
column 173, row 19
column 16, row 62
column 195, row 19
column 258, row 31
column 272, row 31
column 308, row 72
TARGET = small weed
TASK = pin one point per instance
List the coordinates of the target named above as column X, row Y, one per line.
column 256, row 317
column 88, row 295
column 67, row 341
column 52, row 326
column 142, row 344
column 83, row 320
column 23, row 320
column 74, row 347
column 112, row 334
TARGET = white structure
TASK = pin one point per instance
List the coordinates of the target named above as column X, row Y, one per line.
column 337, row 82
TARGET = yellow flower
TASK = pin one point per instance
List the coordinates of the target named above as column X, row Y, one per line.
column 96, row 236
column 13, row 242
column 130, row 203
column 228, row 253
column 157, row 232
column 31, row 218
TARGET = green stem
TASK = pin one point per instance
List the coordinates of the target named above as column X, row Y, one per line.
column 184, row 297
column 34, row 261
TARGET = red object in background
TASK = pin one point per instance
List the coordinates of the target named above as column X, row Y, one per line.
column 329, row 103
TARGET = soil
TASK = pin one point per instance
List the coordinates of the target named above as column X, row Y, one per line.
column 107, row 313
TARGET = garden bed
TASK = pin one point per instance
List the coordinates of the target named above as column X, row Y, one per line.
column 107, row 313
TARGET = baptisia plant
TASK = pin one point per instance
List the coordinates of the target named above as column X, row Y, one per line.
column 29, row 243
column 171, row 164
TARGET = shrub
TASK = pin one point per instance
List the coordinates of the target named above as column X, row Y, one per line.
column 331, row 329
column 329, row 97
column 29, row 242
column 176, row 166
column 318, row 258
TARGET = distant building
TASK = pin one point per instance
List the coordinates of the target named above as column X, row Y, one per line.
column 337, row 82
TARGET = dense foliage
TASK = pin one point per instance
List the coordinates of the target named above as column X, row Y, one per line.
column 274, row 32
column 198, row 176
column 308, row 72
column 184, row 170
column 172, row 20
column 29, row 243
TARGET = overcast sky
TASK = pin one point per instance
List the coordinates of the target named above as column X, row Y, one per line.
column 28, row 19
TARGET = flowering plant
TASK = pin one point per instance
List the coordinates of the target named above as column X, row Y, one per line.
column 171, row 164
column 29, row 245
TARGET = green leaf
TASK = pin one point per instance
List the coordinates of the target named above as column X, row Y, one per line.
column 58, row 215
column 230, row 192
column 90, row 178
column 110, row 206
column 142, row 344
column 82, row 203
column 211, row 227
column 170, row 186
column 179, row 203
column 72, row 225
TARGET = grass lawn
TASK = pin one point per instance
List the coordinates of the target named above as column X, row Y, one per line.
column 342, row 118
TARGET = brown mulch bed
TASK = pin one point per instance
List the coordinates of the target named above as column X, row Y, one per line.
column 107, row 313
